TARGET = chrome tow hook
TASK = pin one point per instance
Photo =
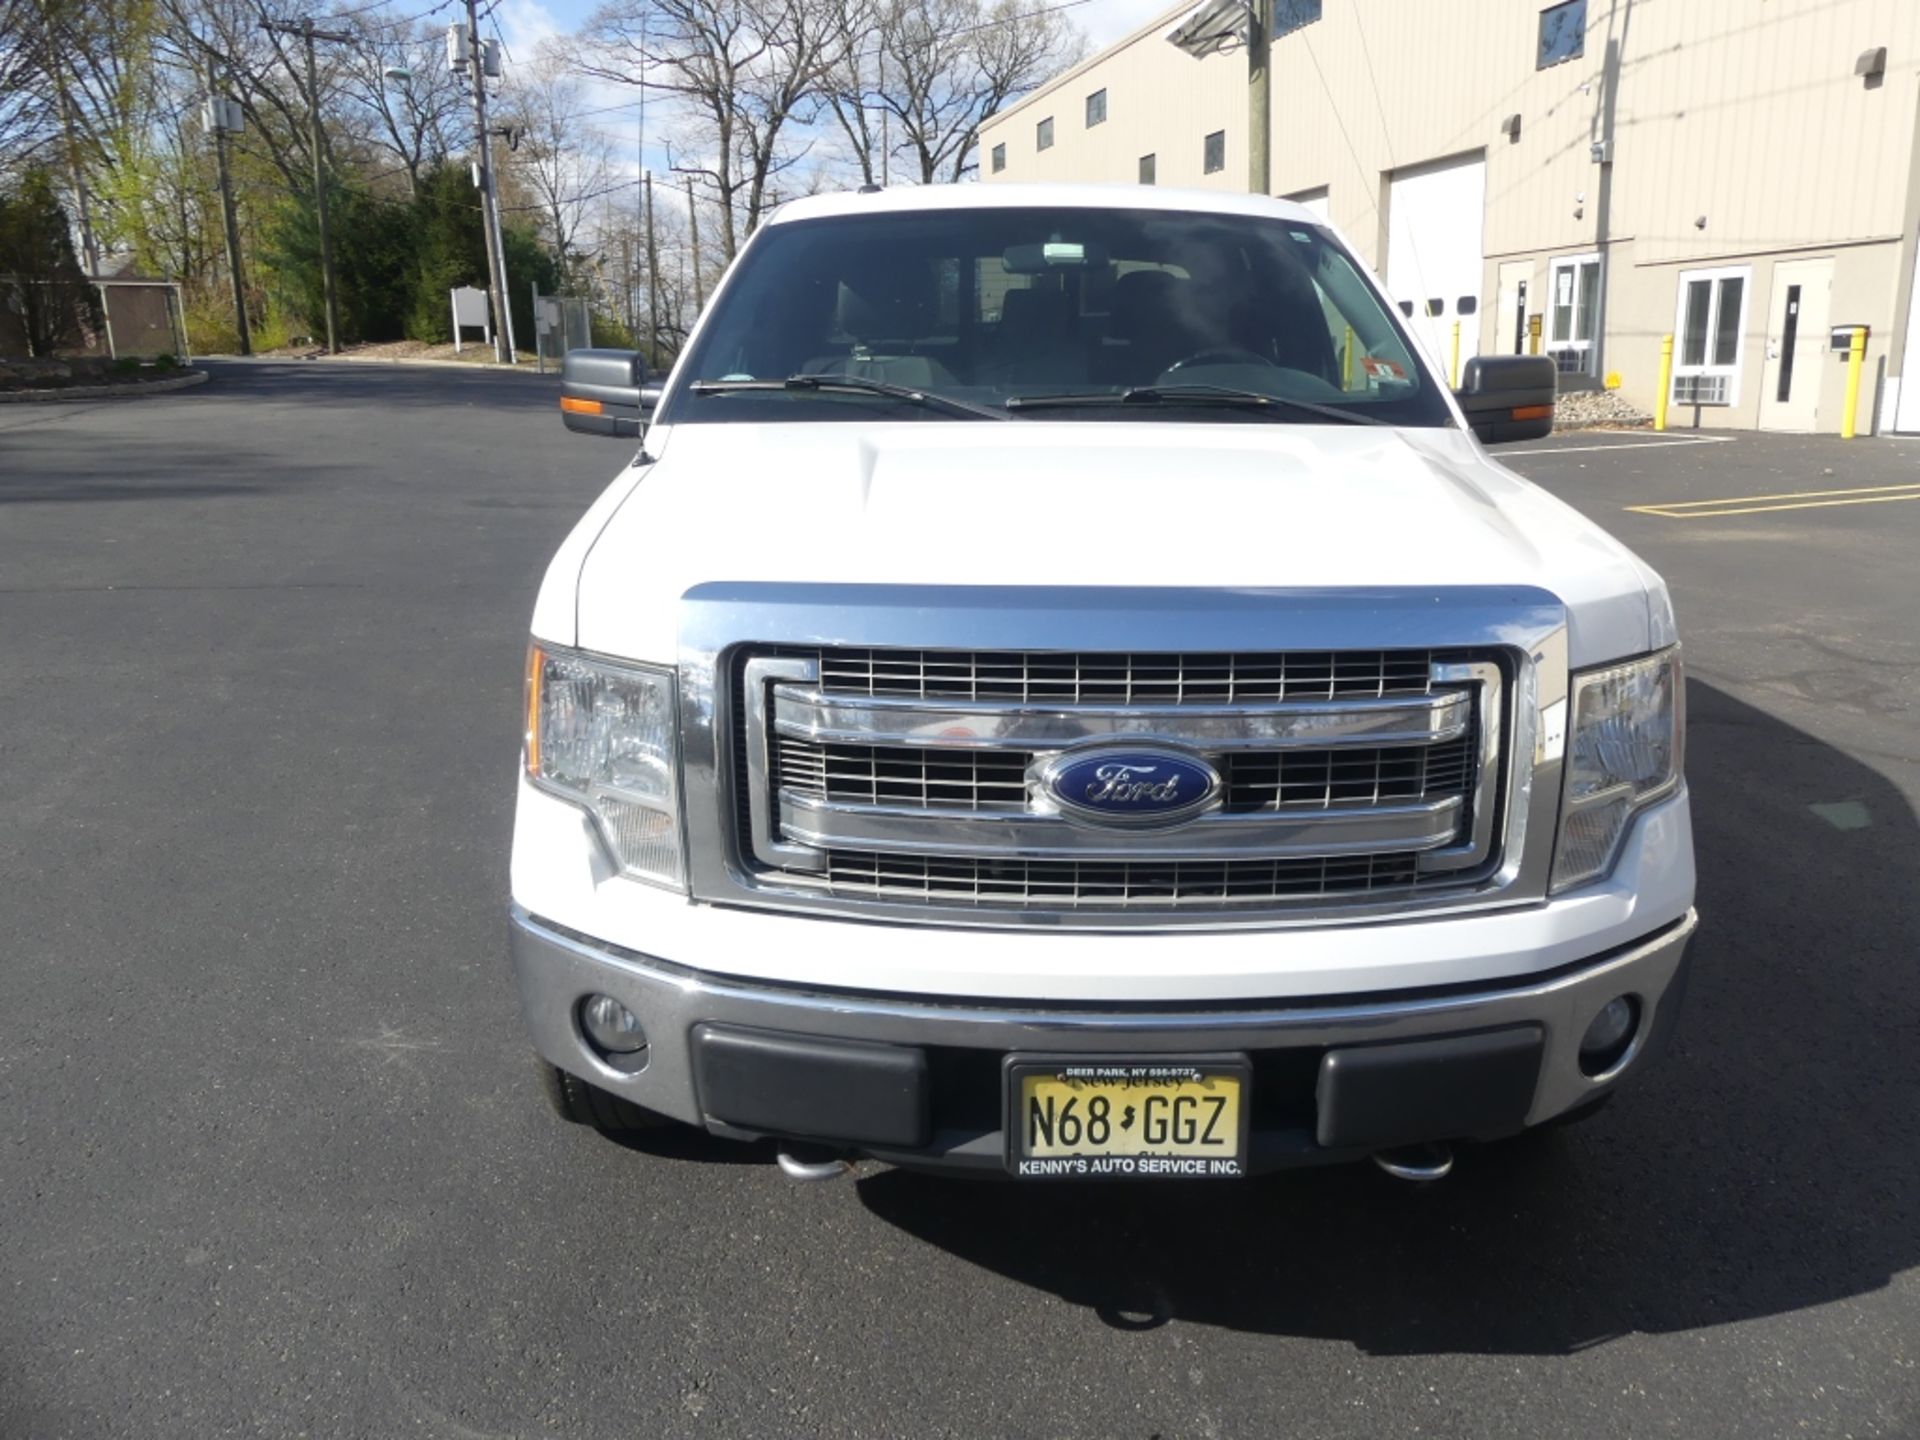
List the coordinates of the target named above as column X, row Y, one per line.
column 1420, row 1163
column 831, row 1168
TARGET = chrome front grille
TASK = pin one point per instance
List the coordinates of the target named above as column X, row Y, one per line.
column 905, row 777
column 1124, row 679
column 1118, row 884
column 1271, row 780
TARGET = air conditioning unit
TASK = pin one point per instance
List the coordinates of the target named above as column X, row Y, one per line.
column 1700, row 389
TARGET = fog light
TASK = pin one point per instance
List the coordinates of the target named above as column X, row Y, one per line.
column 1607, row 1038
column 611, row 1026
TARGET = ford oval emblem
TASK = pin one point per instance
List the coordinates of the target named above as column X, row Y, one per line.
column 1133, row 786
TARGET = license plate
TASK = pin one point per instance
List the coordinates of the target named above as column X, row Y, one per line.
column 1091, row 1118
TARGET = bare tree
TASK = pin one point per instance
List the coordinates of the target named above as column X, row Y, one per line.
column 561, row 159
column 858, row 72
column 413, row 104
column 951, row 63
column 27, row 119
column 261, row 71
column 743, row 74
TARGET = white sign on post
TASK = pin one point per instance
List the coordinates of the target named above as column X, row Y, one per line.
column 471, row 310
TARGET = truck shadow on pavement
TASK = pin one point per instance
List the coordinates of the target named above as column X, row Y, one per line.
column 1765, row 1165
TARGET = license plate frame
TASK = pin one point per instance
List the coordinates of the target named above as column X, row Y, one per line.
column 1144, row 1074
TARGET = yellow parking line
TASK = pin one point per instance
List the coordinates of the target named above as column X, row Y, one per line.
column 1761, row 504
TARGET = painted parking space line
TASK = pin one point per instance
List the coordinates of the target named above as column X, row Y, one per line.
column 1790, row 500
column 1622, row 445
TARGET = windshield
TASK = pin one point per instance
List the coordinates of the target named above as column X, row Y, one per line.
column 991, row 305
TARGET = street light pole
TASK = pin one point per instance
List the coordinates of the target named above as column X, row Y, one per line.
column 483, row 170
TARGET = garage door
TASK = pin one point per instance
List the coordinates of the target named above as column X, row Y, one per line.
column 1433, row 250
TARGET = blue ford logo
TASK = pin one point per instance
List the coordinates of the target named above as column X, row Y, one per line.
column 1142, row 786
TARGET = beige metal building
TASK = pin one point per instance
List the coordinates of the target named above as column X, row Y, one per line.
column 1738, row 173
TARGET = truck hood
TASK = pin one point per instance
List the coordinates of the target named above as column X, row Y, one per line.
column 1091, row 504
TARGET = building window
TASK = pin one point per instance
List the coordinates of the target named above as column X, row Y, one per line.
column 1043, row 134
column 1146, row 170
column 999, row 157
column 1216, row 152
column 1710, row 321
column 1573, row 290
column 1563, row 33
column 1290, row 15
column 1096, row 108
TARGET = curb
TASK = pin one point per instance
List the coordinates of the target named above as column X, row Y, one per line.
column 529, row 368
column 108, row 392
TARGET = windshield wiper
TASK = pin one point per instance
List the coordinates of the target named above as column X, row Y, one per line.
column 1191, row 395
column 854, row 384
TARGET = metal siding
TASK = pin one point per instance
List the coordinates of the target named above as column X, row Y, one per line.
column 1745, row 111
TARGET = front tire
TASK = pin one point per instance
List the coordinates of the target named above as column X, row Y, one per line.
column 579, row 1103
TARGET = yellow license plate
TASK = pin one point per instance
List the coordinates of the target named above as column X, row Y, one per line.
column 1108, row 1119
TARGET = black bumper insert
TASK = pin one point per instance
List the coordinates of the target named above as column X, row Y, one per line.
column 853, row 1091
column 1476, row 1086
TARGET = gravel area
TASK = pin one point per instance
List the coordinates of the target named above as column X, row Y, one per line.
column 1586, row 409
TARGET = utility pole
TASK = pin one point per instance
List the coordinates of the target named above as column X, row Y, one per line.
column 653, row 280
column 218, row 112
column 693, row 233
column 315, row 142
column 483, row 177
column 1259, row 96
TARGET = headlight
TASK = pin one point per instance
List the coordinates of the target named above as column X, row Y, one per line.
column 1623, row 751
column 603, row 735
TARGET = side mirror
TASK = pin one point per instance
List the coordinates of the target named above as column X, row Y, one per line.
column 1508, row 397
column 605, row 392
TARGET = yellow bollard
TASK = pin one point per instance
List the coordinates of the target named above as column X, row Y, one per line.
column 1456, row 355
column 1346, row 362
column 1666, row 383
column 1856, row 357
column 1533, row 334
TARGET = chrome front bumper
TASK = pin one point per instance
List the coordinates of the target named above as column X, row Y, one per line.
column 555, row 969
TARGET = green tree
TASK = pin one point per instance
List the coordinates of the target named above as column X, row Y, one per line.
column 39, row 273
column 451, row 250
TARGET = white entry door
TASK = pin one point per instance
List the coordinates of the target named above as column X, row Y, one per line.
column 1434, row 260
column 1796, row 346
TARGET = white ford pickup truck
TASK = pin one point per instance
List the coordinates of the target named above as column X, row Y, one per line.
column 1061, row 691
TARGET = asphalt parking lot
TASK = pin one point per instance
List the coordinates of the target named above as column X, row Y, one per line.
column 270, row 1158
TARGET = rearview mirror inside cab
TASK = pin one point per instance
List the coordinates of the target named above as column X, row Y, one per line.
column 605, row 392
column 1508, row 397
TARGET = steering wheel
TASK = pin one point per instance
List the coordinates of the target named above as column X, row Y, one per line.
column 1221, row 355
